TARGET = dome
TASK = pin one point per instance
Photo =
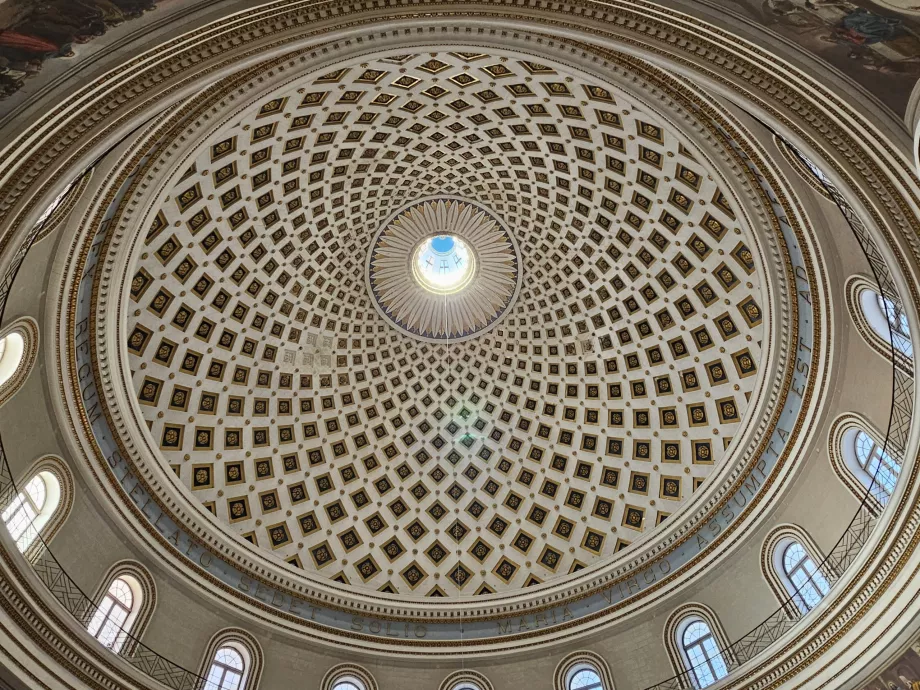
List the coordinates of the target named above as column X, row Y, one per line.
column 529, row 382
column 460, row 346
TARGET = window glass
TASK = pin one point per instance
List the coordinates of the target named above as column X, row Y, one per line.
column 226, row 671
column 897, row 322
column 585, row 679
column 109, row 622
column 348, row 684
column 20, row 517
column 11, row 351
column 706, row 662
column 808, row 583
column 878, row 466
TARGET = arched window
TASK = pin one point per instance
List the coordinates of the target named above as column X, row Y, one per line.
column 899, row 330
column 110, row 622
column 584, row 677
column 701, row 652
column 884, row 317
column 18, row 353
column 348, row 683
column 795, row 569
column 465, row 680
column 233, row 661
column 227, row 671
column 807, row 583
column 862, row 461
column 32, row 508
column 583, row 671
column 354, row 677
column 12, row 347
column 876, row 465
column 124, row 600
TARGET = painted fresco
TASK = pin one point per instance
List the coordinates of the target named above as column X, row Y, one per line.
column 33, row 31
column 904, row 674
column 877, row 45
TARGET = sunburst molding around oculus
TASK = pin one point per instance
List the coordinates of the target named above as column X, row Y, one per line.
column 476, row 293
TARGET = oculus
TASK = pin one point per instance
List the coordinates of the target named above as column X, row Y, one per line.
column 463, row 262
column 443, row 264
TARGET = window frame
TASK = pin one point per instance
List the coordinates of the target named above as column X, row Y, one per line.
column 244, row 644
column 584, row 667
column 17, row 362
column 225, row 668
column 813, row 578
column 844, row 459
column 578, row 662
column 887, row 466
column 714, row 663
column 676, row 626
column 45, row 519
column 869, row 313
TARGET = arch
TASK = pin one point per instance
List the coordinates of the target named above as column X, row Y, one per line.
column 697, row 645
column 230, row 652
column 349, row 677
column 41, row 506
column 777, row 570
column 18, row 353
column 466, row 680
column 121, row 636
column 577, row 666
column 860, row 459
column 879, row 321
